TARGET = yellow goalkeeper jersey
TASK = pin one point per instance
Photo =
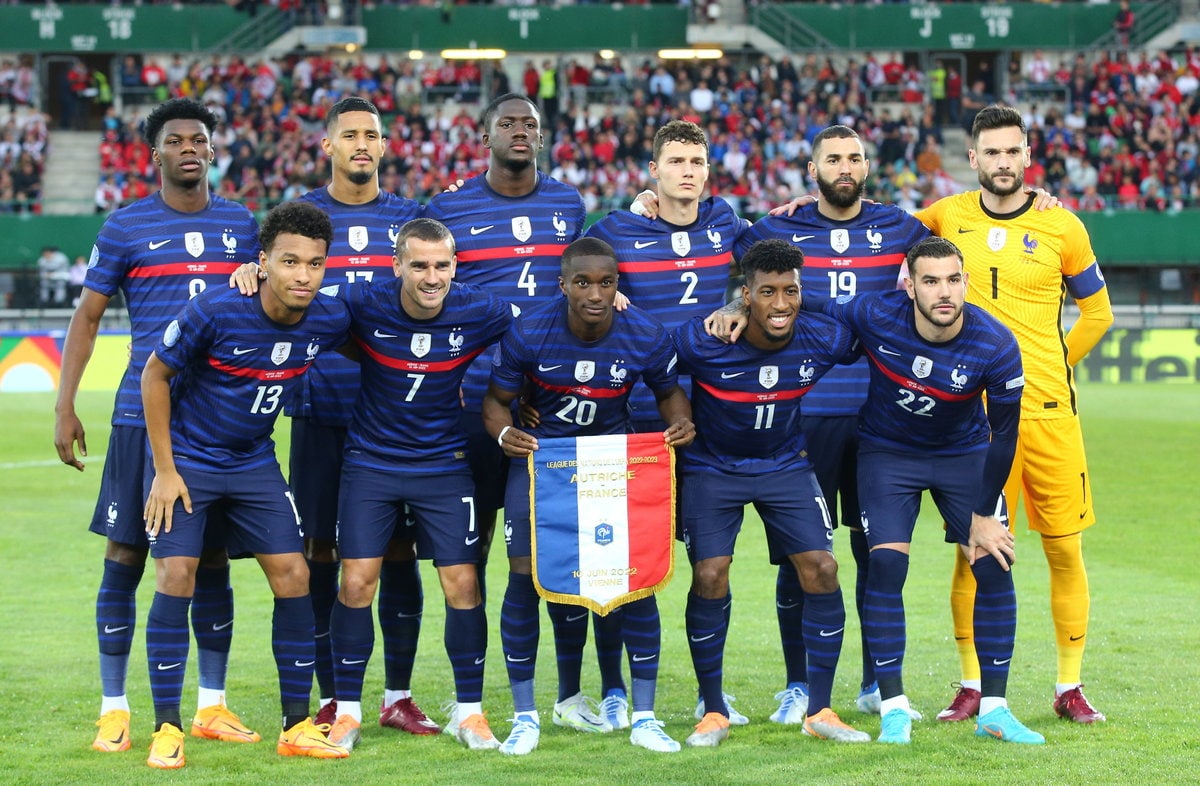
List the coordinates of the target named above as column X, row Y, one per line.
column 1020, row 268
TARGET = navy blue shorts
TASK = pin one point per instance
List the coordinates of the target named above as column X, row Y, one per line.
column 442, row 506
column 833, row 451
column 122, row 498
column 259, row 516
column 516, row 510
column 314, row 469
column 789, row 502
column 489, row 465
column 890, row 484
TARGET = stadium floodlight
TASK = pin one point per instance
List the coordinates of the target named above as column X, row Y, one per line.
column 474, row 54
column 690, row 54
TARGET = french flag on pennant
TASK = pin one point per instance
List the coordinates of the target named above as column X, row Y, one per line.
column 602, row 513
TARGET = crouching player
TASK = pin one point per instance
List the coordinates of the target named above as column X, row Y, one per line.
column 234, row 360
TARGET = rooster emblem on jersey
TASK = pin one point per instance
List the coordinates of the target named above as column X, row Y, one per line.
column 112, row 514
column 560, row 225
column 714, row 237
column 1030, row 244
column 456, row 342
column 806, row 373
column 957, row 378
column 310, row 354
column 229, row 241
column 617, row 374
column 875, row 239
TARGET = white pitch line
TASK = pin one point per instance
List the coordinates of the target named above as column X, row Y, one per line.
column 47, row 463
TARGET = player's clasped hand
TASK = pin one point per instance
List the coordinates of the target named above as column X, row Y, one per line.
column 517, row 443
column 245, row 279
column 989, row 534
column 680, row 433
column 160, row 505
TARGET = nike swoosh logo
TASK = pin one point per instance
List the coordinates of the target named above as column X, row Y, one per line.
column 320, row 635
column 828, row 633
column 886, row 662
column 240, row 351
column 726, row 375
column 120, row 738
column 479, row 661
column 349, row 662
column 801, row 238
column 997, row 733
column 1081, row 515
column 962, row 231
column 962, row 638
column 404, row 616
column 1000, row 662
column 155, row 246
column 548, row 368
column 1076, row 638
column 883, row 351
column 478, row 230
column 222, row 626
column 379, row 334
column 305, row 664
column 577, row 618
column 699, row 639
column 787, row 606
column 511, row 659
column 644, row 243
column 168, row 666
column 642, row 658
column 118, row 629
column 471, row 541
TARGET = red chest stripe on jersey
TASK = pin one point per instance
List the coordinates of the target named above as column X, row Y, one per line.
column 426, row 367
column 359, row 260
column 512, row 252
column 184, row 269
column 837, row 263
column 751, row 395
column 265, row 374
column 912, row 384
column 684, row 263
column 582, row 390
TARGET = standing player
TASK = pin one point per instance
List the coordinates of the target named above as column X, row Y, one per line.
column 923, row 428
column 850, row 247
column 159, row 251
column 511, row 226
column 234, row 360
column 365, row 222
column 752, row 450
column 417, row 335
column 1021, row 262
column 675, row 266
column 557, row 355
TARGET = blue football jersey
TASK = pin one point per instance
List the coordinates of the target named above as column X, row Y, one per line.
column 235, row 369
column 161, row 258
column 407, row 414
column 364, row 240
column 746, row 400
column 842, row 259
column 673, row 272
column 510, row 246
column 582, row 388
column 928, row 396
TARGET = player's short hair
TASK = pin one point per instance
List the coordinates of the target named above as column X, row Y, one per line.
column 585, row 247
column 177, row 109
column 771, row 256
column 832, row 132
column 426, row 229
column 932, row 247
column 492, row 109
column 295, row 218
column 679, row 131
column 349, row 104
column 996, row 116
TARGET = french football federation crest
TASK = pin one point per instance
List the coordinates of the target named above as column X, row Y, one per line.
column 560, row 226
column 875, row 239
column 617, row 374
column 604, row 534
column 768, row 376
column 522, row 229
column 584, row 370
column 456, row 341
column 229, row 241
column 393, row 233
column 357, row 238
column 806, row 373
column 997, row 237
column 921, row 366
column 311, row 353
column 714, row 237
column 839, row 240
column 281, row 352
column 420, row 344
column 681, row 243
column 958, row 378
column 194, row 243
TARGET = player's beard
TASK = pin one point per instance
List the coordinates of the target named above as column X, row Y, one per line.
column 989, row 183
column 360, row 177
column 840, row 197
